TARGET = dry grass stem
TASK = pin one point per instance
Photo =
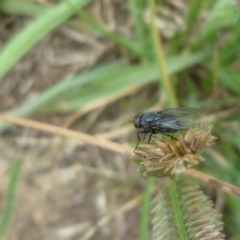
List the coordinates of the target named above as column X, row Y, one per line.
column 97, row 141
column 223, row 186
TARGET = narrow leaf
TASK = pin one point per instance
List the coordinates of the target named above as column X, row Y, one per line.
column 24, row 41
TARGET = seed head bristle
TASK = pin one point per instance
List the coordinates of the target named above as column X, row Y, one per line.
column 166, row 157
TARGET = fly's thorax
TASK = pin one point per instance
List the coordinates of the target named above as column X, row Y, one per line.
column 150, row 117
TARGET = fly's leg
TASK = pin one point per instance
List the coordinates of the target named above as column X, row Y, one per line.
column 150, row 137
column 165, row 134
column 134, row 151
column 139, row 140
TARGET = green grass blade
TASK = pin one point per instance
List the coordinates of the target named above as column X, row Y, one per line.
column 136, row 8
column 131, row 46
column 195, row 10
column 114, row 81
column 62, row 87
column 11, row 198
column 120, row 83
column 224, row 14
column 22, row 8
column 34, row 32
column 230, row 79
column 144, row 227
column 233, row 218
column 177, row 209
column 161, row 59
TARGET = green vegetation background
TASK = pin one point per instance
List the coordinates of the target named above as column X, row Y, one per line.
column 210, row 46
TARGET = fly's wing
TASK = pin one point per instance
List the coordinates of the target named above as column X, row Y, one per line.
column 178, row 118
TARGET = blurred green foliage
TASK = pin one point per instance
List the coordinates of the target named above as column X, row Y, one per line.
column 211, row 43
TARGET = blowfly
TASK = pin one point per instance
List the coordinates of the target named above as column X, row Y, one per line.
column 165, row 122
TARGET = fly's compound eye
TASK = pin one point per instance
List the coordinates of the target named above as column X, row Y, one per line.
column 137, row 121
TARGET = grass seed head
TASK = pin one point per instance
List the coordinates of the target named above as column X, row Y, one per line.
column 167, row 157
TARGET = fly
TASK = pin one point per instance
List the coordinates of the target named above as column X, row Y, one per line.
column 165, row 122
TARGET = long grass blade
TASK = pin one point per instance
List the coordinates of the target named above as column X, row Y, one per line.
column 11, row 198
column 24, row 41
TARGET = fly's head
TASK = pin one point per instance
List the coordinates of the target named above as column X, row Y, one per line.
column 137, row 121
